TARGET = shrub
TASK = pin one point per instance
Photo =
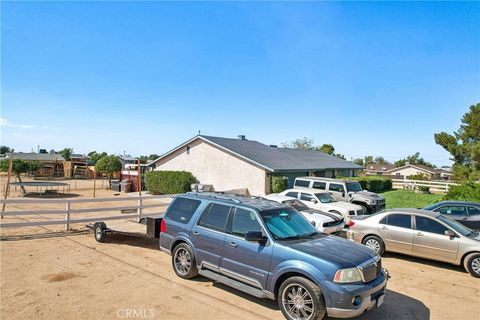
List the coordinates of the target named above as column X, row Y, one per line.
column 467, row 191
column 279, row 184
column 419, row 176
column 373, row 183
column 169, row 182
column 424, row 189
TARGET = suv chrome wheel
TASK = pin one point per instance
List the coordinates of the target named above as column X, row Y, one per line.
column 298, row 302
column 182, row 261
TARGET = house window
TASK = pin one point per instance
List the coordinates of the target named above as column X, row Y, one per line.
column 188, row 149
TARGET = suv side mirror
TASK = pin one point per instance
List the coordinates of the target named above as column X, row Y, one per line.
column 313, row 200
column 254, row 236
column 450, row 233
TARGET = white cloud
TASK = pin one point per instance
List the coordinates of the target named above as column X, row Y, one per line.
column 5, row 123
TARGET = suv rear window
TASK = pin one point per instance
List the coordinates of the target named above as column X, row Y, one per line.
column 319, row 185
column 302, row 183
column 215, row 217
column 182, row 209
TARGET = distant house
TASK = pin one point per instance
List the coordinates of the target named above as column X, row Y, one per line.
column 52, row 163
column 230, row 164
column 407, row 171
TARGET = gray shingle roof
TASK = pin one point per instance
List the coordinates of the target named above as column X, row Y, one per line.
column 282, row 159
column 38, row 156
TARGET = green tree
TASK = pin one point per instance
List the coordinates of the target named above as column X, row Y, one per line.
column 368, row 160
column 358, row 161
column 301, row 144
column 326, row 148
column 66, row 153
column 108, row 165
column 464, row 145
column 380, row 160
column 341, row 156
column 413, row 159
column 20, row 166
column 153, row 156
column 95, row 156
column 5, row 149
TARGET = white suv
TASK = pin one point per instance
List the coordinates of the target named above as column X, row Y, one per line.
column 324, row 202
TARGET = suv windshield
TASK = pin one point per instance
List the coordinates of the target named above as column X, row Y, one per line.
column 460, row 228
column 296, row 204
column 353, row 187
column 287, row 223
column 325, row 198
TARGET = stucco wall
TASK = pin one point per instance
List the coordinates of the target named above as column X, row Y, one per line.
column 211, row 165
column 409, row 171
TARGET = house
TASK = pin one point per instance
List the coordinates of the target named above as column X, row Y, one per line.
column 52, row 163
column 378, row 169
column 230, row 164
column 407, row 170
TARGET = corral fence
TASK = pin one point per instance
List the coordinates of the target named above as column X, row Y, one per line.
column 435, row 186
column 68, row 212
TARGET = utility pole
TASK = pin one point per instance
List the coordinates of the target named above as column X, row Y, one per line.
column 7, row 187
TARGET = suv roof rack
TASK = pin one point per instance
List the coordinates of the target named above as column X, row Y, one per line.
column 219, row 196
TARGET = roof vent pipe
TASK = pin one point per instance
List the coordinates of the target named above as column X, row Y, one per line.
column 242, row 137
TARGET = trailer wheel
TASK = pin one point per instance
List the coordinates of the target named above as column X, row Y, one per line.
column 99, row 231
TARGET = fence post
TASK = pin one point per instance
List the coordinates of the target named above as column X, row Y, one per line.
column 67, row 215
column 139, row 204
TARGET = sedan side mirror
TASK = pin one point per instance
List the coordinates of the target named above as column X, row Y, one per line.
column 313, row 223
column 313, row 200
column 450, row 233
column 254, row 236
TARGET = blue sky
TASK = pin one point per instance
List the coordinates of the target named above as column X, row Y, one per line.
column 373, row 78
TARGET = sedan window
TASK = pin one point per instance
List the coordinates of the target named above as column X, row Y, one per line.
column 306, row 197
column 473, row 211
column 453, row 210
column 399, row 220
column 292, row 194
column 429, row 225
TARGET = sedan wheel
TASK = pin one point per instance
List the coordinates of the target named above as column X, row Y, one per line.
column 472, row 264
column 374, row 243
column 476, row 265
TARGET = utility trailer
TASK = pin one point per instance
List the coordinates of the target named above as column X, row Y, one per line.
column 148, row 226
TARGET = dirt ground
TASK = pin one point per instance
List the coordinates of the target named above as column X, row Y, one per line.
column 47, row 274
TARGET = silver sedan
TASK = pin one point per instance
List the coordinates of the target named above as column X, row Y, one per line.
column 419, row 233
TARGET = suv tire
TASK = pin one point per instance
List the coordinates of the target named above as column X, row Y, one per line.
column 472, row 264
column 374, row 243
column 183, row 261
column 300, row 298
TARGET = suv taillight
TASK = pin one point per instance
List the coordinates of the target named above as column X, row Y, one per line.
column 350, row 224
column 163, row 226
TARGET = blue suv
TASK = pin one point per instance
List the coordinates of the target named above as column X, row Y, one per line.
column 269, row 250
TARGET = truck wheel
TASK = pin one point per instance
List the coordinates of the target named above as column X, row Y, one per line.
column 99, row 231
column 183, row 261
column 300, row 298
column 374, row 243
column 472, row 264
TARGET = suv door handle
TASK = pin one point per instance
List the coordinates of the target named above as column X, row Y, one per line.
column 233, row 244
column 196, row 233
column 419, row 234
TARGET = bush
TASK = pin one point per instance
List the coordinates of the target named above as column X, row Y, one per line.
column 468, row 191
column 419, row 176
column 424, row 189
column 373, row 183
column 279, row 184
column 169, row 182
